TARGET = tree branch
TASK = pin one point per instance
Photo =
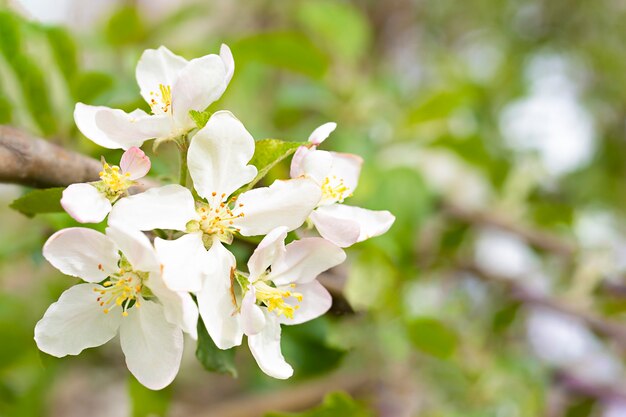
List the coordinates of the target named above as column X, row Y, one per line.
column 35, row 162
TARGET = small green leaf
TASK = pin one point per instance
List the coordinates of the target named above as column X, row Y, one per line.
column 371, row 280
column 200, row 117
column 64, row 51
column 39, row 201
column 289, row 50
column 268, row 153
column 10, row 35
column 432, row 336
column 148, row 403
column 337, row 404
column 211, row 357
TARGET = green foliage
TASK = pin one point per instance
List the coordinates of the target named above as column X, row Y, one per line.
column 432, row 337
column 211, row 357
column 148, row 403
column 39, row 201
column 125, row 27
column 64, row 50
column 267, row 154
column 10, row 36
column 337, row 404
column 288, row 50
column 347, row 33
column 200, row 118
column 370, row 281
column 89, row 85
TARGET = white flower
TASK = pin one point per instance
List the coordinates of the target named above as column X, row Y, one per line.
column 123, row 291
column 218, row 157
column 281, row 288
column 337, row 175
column 91, row 202
column 172, row 86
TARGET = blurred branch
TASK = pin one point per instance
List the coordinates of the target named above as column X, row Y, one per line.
column 34, row 162
column 542, row 240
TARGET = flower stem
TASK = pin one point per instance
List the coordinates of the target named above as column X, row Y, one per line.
column 183, row 147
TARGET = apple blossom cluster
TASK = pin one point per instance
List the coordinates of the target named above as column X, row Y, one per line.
column 163, row 261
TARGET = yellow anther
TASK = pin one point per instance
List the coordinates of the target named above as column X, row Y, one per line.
column 334, row 190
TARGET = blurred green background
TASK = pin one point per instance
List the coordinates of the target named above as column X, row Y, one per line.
column 493, row 130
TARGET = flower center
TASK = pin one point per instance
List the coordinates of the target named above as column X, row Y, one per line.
column 113, row 182
column 216, row 220
column 274, row 298
column 334, row 191
column 161, row 101
column 123, row 289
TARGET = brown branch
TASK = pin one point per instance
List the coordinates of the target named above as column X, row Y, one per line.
column 35, row 162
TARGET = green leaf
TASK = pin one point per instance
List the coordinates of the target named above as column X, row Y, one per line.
column 268, row 153
column 211, row 357
column 370, row 280
column 39, row 201
column 10, row 35
column 432, row 337
column 125, row 27
column 64, row 51
column 148, row 403
column 200, row 117
column 86, row 87
column 337, row 404
column 347, row 34
column 288, row 50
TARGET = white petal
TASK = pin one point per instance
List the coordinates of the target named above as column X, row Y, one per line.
column 305, row 259
column 372, row 223
column 82, row 253
column 296, row 169
column 269, row 250
column 132, row 129
column 184, row 261
column 168, row 207
column 229, row 62
column 216, row 302
column 85, row 119
column 136, row 247
column 75, row 322
column 284, row 203
column 199, row 84
column 153, row 346
column 85, row 203
column 252, row 317
column 157, row 67
column 219, row 154
column 316, row 165
column 315, row 302
column 265, row 347
column 178, row 307
column 135, row 162
column 320, row 134
column 342, row 232
column 346, row 166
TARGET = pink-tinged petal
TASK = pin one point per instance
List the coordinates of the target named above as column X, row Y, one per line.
column 305, row 259
column 168, row 207
column 219, row 154
column 75, row 322
column 252, row 317
column 320, row 134
column 296, row 169
column 178, row 307
column 184, row 261
column 316, row 301
column 135, row 162
column 316, row 165
column 346, row 167
column 284, row 203
column 271, row 248
column 153, row 347
column 132, row 129
column 136, row 247
column 371, row 223
column 216, row 300
column 229, row 62
column 265, row 347
column 342, row 232
column 82, row 253
column 199, row 84
column 157, row 67
column 85, row 203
